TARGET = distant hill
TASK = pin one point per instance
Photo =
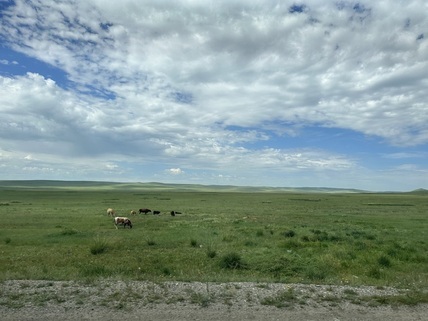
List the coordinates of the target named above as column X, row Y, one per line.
column 420, row 191
column 153, row 186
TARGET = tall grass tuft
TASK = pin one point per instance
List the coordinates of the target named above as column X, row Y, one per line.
column 232, row 261
column 99, row 246
column 211, row 253
column 289, row 233
column 384, row 261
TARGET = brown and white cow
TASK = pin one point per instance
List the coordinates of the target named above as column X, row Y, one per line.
column 120, row 220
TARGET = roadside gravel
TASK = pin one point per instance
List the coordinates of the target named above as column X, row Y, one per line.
column 136, row 300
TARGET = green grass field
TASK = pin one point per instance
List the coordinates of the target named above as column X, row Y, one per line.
column 63, row 233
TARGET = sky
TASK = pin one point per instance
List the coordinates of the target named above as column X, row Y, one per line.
column 235, row 92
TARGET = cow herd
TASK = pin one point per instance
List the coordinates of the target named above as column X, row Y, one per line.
column 125, row 221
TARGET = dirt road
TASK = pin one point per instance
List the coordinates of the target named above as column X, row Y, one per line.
column 218, row 313
column 116, row 300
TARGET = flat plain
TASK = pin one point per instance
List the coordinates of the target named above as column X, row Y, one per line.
column 228, row 236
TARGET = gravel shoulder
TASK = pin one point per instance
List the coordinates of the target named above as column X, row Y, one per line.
column 135, row 300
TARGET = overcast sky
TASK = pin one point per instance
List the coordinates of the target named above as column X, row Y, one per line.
column 275, row 93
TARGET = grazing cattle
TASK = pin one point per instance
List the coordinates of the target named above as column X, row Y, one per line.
column 174, row 212
column 144, row 210
column 122, row 221
column 133, row 212
column 156, row 212
column 110, row 212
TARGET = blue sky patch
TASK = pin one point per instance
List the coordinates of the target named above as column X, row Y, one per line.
column 182, row 97
column 17, row 63
column 297, row 8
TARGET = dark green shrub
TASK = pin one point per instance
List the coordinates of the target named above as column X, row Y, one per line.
column 232, row 261
column 305, row 238
column 166, row 271
column 375, row 273
column 151, row 243
column 371, row 237
column 322, row 236
column 211, row 253
column 384, row 261
column 289, row 233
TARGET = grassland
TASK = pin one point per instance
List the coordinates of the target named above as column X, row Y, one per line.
column 63, row 233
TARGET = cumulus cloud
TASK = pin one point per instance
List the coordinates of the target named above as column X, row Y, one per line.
column 244, row 64
column 209, row 86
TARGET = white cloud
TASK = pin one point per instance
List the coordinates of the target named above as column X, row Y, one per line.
column 175, row 171
column 405, row 155
column 111, row 166
column 206, row 86
column 319, row 66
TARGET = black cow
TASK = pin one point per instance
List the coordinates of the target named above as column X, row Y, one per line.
column 174, row 212
column 144, row 210
column 156, row 212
